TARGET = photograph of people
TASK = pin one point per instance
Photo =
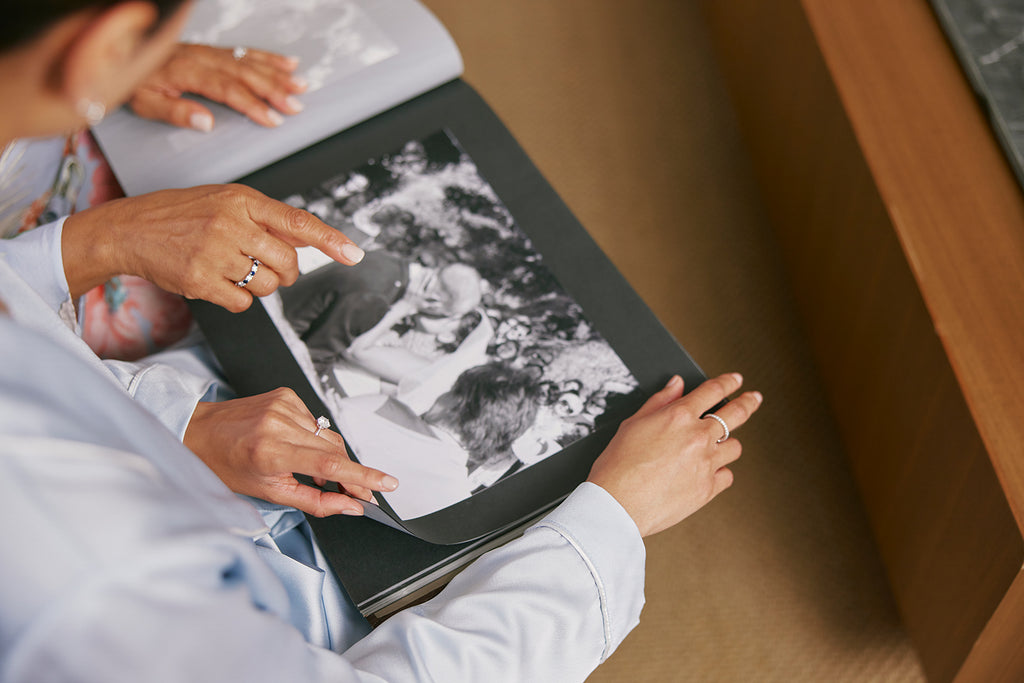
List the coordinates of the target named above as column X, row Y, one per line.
column 450, row 288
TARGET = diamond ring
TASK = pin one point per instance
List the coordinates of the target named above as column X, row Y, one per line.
column 721, row 422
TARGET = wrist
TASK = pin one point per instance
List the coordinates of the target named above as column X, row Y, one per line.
column 89, row 256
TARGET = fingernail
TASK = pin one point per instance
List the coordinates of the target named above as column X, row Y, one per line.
column 738, row 377
column 373, row 499
column 293, row 104
column 352, row 512
column 274, row 118
column 388, row 483
column 352, row 252
column 758, row 397
column 674, row 382
column 201, row 122
column 300, row 82
column 293, row 61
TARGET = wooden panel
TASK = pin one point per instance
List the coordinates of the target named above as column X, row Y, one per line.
column 940, row 515
column 998, row 655
column 957, row 209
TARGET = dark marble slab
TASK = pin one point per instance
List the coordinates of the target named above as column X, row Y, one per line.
column 988, row 37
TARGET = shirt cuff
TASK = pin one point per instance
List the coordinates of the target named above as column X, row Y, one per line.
column 36, row 256
column 165, row 391
column 607, row 539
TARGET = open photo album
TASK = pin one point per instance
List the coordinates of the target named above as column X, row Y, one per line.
column 450, row 357
column 485, row 349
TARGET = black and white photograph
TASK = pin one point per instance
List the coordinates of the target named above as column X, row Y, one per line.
column 450, row 357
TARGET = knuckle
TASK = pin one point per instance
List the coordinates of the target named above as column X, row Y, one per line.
column 235, row 193
column 272, row 421
column 330, row 467
column 239, row 303
column 284, row 395
column 191, row 279
column 235, row 91
column 318, row 509
column 682, row 414
column 297, row 220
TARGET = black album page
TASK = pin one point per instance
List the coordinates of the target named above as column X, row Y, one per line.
column 484, row 351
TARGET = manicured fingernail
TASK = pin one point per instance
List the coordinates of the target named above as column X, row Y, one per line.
column 293, row 104
column 738, row 377
column 352, row 252
column 352, row 512
column 201, row 122
column 674, row 382
column 274, row 118
column 300, row 82
column 388, row 483
column 373, row 499
column 758, row 397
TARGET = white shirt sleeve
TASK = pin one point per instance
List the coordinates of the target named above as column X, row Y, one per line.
column 169, row 385
column 547, row 607
column 37, row 258
column 109, row 579
column 163, row 387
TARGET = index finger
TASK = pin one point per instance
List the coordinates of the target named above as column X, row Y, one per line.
column 713, row 391
column 300, row 228
column 333, row 464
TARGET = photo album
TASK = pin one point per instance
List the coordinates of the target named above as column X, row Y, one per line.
column 485, row 349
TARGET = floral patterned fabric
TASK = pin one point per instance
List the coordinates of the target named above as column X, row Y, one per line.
column 40, row 180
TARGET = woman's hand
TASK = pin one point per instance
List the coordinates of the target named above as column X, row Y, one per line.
column 255, row 445
column 665, row 462
column 260, row 85
column 196, row 242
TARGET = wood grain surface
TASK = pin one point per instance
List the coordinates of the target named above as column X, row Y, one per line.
column 903, row 228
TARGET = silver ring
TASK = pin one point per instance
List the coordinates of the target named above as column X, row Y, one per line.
column 239, row 53
column 252, row 273
column 322, row 423
column 721, row 422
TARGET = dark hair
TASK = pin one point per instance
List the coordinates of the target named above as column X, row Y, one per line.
column 24, row 21
column 487, row 408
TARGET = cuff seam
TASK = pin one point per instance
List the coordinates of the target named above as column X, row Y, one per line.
column 602, row 594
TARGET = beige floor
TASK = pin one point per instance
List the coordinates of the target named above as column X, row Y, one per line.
column 620, row 105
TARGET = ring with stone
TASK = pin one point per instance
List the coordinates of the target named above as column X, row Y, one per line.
column 721, row 422
column 252, row 273
column 322, row 423
column 239, row 53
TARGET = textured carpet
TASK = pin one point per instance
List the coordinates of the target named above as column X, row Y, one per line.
column 621, row 106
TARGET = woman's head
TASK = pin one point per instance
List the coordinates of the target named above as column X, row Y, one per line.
column 63, row 59
column 24, row 21
column 487, row 409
